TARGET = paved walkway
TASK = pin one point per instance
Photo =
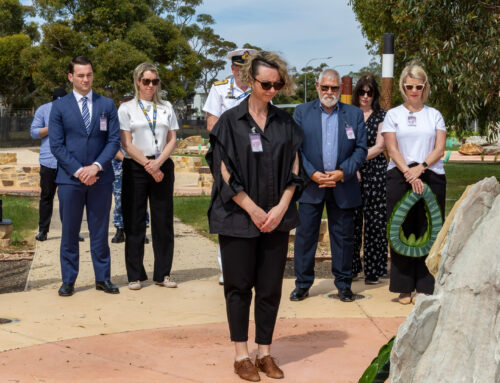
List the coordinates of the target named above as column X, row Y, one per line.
column 177, row 335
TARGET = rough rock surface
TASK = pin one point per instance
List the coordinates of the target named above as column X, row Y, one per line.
column 491, row 149
column 477, row 140
column 454, row 335
column 470, row 149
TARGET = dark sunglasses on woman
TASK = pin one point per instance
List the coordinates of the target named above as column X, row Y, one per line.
column 266, row 85
column 362, row 92
column 147, row 81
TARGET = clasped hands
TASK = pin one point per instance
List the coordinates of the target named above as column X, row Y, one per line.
column 153, row 168
column 327, row 179
column 88, row 174
column 267, row 222
column 412, row 177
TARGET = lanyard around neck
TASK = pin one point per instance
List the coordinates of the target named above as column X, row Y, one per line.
column 152, row 125
column 231, row 91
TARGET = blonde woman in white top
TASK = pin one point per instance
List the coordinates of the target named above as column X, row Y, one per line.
column 415, row 137
column 148, row 134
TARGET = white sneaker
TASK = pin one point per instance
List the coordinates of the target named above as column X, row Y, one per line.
column 167, row 282
column 135, row 285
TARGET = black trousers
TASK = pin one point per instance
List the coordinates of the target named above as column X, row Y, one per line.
column 138, row 186
column 407, row 273
column 48, row 190
column 253, row 263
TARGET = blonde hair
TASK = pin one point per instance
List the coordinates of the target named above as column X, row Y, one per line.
column 269, row 60
column 139, row 73
column 417, row 72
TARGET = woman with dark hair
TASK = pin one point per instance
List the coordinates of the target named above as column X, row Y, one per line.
column 373, row 192
column 254, row 161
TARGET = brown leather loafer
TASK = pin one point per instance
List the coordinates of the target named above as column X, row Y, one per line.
column 246, row 370
column 269, row 367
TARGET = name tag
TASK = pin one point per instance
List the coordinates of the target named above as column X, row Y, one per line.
column 256, row 143
column 103, row 124
column 350, row 132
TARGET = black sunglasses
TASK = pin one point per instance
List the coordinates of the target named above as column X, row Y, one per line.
column 147, row 81
column 266, row 85
column 362, row 92
column 325, row 88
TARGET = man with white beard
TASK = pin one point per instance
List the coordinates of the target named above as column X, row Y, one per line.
column 333, row 150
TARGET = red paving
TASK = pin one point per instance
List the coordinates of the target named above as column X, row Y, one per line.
column 333, row 350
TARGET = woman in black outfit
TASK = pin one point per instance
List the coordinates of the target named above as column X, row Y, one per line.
column 373, row 181
column 254, row 162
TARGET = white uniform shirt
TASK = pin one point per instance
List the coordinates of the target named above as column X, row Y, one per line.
column 222, row 97
column 415, row 134
column 133, row 119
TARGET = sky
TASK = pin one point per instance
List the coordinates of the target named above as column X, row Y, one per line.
column 301, row 30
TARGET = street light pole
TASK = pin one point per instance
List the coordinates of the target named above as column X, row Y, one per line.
column 305, row 75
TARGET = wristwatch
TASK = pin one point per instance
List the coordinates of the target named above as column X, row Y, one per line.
column 425, row 165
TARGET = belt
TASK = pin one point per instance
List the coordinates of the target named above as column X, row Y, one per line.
column 150, row 157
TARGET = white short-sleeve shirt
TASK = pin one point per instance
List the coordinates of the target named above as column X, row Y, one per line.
column 415, row 133
column 223, row 96
column 133, row 119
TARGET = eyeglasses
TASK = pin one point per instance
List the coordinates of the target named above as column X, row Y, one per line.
column 266, row 85
column 362, row 92
column 325, row 88
column 147, row 81
column 411, row 86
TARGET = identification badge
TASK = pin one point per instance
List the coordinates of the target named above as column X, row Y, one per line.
column 350, row 132
column 255, row 142
column 103, row 123
column 412, row 120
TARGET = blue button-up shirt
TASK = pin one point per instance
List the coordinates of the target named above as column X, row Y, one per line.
column 40, row 121
column 330, row 129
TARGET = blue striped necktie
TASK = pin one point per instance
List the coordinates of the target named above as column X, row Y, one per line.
column 86, row 114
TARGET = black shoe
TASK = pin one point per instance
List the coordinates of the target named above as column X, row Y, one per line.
column 107, row 287
column 119, row 236
column 146, row 240
column 66, row 289
column 41, row 236
column 80, row 238
column 372, row 281
column 346, row 295
column 299, row 294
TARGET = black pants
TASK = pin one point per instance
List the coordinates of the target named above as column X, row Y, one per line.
column 137, row 187
column 48, row 186
column 408, row 273
column 247, row 263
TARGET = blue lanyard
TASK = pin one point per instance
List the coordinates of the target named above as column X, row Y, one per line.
column 231, row 89
column 152, row 125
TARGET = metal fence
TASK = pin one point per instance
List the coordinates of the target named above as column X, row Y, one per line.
column 15, row 130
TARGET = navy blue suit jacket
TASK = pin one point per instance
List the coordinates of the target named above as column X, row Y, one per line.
column 73, row 147
column 351, row 152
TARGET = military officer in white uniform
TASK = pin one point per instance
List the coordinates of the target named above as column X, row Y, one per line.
column 229, row 92
column 223, row 96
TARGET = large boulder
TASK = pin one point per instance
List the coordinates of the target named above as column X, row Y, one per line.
column 476, row 140
column 454, row 335
column 470, row 149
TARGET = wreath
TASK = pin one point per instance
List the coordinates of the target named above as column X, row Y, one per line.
column 412, row 246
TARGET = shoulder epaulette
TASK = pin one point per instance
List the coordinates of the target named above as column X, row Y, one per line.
column 221, row 82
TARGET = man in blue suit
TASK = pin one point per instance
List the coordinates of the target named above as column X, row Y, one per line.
column 84, row 137
column 333, row 149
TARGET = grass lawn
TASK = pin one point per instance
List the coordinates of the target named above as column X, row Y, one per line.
column 193, row 210
column 23, row 212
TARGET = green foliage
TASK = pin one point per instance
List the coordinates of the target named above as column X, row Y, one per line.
column 193, row 211
column 23, row 213
column 378, row 370
column 457, row 43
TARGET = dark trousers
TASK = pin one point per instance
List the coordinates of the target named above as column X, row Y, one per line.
column 341, row 228
column 408, row 273
column 97, row 201
column 48, row 191
column 138, row 186
column 253, row 263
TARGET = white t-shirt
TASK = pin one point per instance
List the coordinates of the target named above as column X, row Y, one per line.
column 133, row 119
column 224, row 96
column 415, row 134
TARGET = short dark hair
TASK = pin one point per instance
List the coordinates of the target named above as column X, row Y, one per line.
column 369, row 81
column 79, row 60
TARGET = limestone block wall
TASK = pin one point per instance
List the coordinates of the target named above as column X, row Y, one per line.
column 8, row 158
column 19, row 177
column 205, row 180
column 187, row 164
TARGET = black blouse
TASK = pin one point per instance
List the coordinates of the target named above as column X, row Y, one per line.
column 264, row 176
